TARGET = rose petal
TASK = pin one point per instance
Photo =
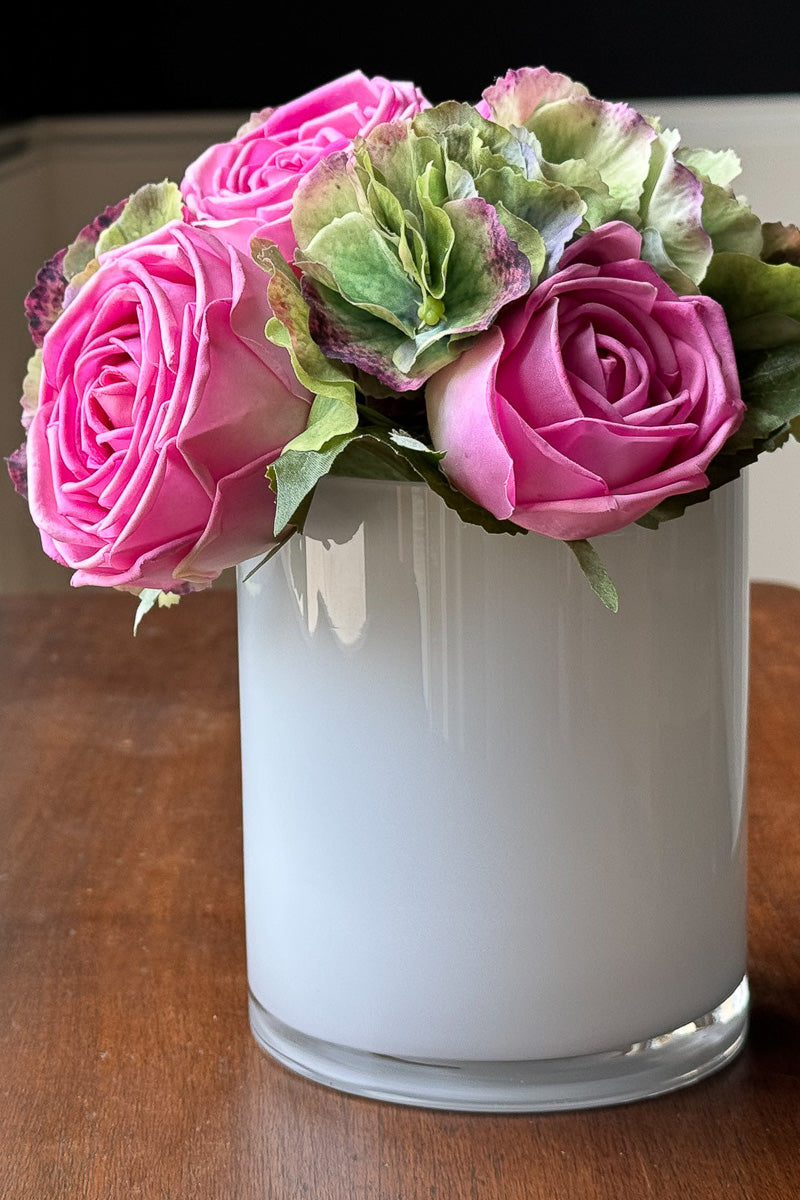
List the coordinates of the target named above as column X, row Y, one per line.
column 608, row 392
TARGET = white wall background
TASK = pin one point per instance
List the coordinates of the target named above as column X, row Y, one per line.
column 56, row 175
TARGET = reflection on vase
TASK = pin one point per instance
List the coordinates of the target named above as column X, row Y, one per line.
column 329, row 583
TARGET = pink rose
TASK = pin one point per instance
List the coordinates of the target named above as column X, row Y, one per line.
column 160, row 406
column 254, row 176
column 592, row 399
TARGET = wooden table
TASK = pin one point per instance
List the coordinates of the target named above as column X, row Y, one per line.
column 126, row 1065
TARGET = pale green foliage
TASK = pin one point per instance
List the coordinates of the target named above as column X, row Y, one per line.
column 30, row 385
column 625, row 167
column 418, row 239
column 595, row 573
column 150, row 598
column 148, row 209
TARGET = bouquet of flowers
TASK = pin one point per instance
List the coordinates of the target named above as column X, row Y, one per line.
column 542, row 306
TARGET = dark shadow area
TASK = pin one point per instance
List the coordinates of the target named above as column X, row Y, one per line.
column 173, row 58
column 774, row 1036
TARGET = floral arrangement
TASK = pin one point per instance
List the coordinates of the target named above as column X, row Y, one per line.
column 542, row 305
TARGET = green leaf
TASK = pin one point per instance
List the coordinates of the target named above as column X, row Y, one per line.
column 408, row 458
column 486, row 269
column 329, row 419
column 81, row 255
column 728, row 218
column 406, row 442
column 286, row 534
column 368, row 273
column 675, row 241
column 770, row 384
column 148, row 599
column 289, row 328
column 515, row 97
column 761, row 300
column 438, row 238
column 293, row 477
column 327, row 193
column 733, row 226
column 595, row 573
column 719, row 167
column 148, row 209
column 354, row 335
column 781, row 243
column 371, row 453
column 614, row 139
column 334, row 411
column 402, row 254
column 31, row 384
column 82, row 251
column 372, row 457
column 541, row 217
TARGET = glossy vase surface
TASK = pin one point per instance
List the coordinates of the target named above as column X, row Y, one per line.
column 494, row 834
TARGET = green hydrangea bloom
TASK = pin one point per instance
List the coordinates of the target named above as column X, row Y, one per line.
column 625, row 167
column 415, row 240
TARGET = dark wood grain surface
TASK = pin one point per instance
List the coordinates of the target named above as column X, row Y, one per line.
column 127, row 1068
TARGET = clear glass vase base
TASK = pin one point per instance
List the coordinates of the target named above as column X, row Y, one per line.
column 637, row 1072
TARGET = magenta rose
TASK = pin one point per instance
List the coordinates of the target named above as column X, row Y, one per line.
column 160, row 406
column 254, row 176
column 591, row 400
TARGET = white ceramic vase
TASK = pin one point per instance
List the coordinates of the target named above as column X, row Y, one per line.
column 494, row 834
